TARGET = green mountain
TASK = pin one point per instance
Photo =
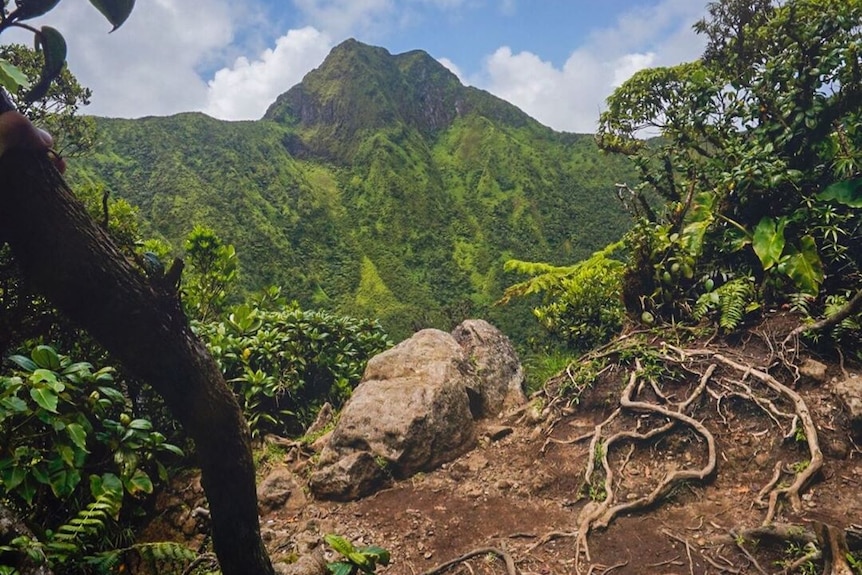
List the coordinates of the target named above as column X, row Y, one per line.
column 378, row 186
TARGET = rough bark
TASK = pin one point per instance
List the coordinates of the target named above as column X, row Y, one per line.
column 67, row 257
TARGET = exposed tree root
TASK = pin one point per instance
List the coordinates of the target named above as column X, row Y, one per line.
column 655, row 410
column 511, row 569
column 815, row 463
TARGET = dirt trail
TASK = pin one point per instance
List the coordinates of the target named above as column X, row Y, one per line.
column 522, row 491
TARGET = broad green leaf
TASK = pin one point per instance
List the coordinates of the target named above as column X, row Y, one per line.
column 45, row 398
column 44, row 376
column 139, row 482
column 768, row 241
column 78, row 435
column 339, row 544
column 141, row 424
column 116, row 11
column 24, row 363
column 805, row 268
column 78, row 367
column 381, row 554
column 848, row 192
column 27, row 491
column 172, row 449
column 28, row 9
column 340, row 568
column 45, row 357
column 13, row 477
column 14, row 403
column 113, row 394
column 11, row 77
column 53, row 47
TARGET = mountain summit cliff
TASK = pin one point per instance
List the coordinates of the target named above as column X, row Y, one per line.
column 361, row 89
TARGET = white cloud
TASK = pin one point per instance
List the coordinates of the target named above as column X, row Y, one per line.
column 571, row 97
column 344, row 17
column 148, row 66
column 243, row 91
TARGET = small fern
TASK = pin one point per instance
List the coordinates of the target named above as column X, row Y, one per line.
column 732, row 300
column 70, row 539
column 164, row 557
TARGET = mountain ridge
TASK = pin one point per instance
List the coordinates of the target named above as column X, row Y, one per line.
column 378, row 186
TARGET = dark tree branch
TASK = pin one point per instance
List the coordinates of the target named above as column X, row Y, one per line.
column 69, row 258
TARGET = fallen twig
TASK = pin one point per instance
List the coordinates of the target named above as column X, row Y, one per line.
column 502, row 554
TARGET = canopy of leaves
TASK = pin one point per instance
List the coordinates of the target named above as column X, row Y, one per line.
column 751, row 136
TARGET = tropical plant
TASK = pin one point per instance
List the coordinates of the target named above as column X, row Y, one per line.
column 355, row 560
column 759, row 149
column 69, row 436
column 285, row 362
column 582, row 303
column 212, row 273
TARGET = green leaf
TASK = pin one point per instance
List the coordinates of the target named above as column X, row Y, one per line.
column 805, row 268
column 172, row 449
column 340, row 568
column 11, row 77
column 45, row 357
column 114, row 395
column 24, row 363
column 13, row 477
column 15, row 404
column 340, row 544
column 116, row 11
column 139, row 482
column 848, row 192
column 141, row 424
column 78, row 435
column 45, row 398
column 53, row 47
column 768, row 241
column 28, row 9
column 379, row 553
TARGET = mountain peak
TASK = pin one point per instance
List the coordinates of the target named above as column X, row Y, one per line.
column 361, row 88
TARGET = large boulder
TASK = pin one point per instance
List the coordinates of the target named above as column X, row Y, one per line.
column 416, row 407
column 500, row 375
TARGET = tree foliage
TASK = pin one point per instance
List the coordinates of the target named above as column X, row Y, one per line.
column 757, row 159
column 57, row 111
column 284, row 362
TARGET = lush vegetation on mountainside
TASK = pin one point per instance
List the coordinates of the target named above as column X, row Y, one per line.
column 376, row 199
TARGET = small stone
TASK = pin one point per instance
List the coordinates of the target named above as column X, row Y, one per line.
column 497, row 432
column 814, row 370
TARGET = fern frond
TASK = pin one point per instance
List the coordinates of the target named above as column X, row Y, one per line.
column 70, row 538
column 546, row 277
column 164, row 557
column 732, row 300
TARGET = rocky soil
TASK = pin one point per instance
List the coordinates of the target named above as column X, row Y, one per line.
column 519, row 500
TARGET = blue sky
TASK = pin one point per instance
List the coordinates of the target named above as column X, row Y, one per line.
column 555, row 59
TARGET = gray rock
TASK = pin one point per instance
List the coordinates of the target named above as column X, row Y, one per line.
column 416, row 407
column 350, row 477
column 849, row 391
column 280, row 490
column 498, row 369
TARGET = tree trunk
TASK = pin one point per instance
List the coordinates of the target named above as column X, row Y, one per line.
column 67, row 257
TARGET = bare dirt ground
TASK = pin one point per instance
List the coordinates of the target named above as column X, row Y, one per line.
column 683, row 490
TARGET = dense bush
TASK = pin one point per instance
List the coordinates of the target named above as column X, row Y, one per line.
column 70, row 444
column 284, row 362
column 583, row 305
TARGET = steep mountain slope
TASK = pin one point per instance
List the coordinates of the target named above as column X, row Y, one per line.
column 378, row 186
